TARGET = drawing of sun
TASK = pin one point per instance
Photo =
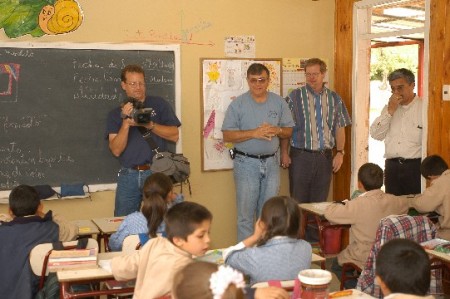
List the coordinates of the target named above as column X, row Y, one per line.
column 213, row 72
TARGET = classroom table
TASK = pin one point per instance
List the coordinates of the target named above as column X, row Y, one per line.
column 314, row 209
column 317, row 210
column 67, row 278
column 107, row 226
column 86, row 227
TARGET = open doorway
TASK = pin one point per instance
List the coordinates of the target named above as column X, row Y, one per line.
column 385, row 58
column 383, row 24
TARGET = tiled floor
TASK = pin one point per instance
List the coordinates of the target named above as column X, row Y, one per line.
column 335, row 283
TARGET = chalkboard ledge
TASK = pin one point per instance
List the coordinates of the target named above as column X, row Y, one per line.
column 4, row 195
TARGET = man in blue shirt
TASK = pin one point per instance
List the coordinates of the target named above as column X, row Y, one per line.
column 127, row 143
column 255, row 122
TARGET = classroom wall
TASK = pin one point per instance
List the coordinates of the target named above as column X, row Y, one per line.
column 282, row 28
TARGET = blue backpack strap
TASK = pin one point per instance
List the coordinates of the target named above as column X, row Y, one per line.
column 143, row 238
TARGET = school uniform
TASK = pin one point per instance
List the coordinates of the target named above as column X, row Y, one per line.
column 281, row 258
column 153, row 267
column 436, row 198
column 18, row 237
column 364, row 214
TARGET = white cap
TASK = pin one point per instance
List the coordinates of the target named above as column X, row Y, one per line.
column 315, row 276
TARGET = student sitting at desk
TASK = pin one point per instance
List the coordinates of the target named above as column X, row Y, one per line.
column 436, row 197
column 157, row 197
column 154, row 266
column 363, row 214
column 279, row 254
column 28, row 228
column 403, row 270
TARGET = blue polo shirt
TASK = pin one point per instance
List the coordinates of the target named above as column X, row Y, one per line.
column 138, row 151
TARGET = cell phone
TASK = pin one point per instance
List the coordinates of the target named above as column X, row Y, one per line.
column 232, row 153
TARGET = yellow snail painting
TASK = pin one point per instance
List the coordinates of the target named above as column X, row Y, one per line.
column 40, row 17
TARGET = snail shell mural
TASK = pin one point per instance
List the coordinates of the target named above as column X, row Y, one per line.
column 62, row 17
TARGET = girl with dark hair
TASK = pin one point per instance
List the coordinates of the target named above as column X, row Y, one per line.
column 278, row 254
column 157, row 198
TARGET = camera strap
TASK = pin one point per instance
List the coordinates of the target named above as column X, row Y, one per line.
column 147, row 134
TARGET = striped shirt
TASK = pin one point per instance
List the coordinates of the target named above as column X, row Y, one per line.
column 334, row 115
column 416, row 228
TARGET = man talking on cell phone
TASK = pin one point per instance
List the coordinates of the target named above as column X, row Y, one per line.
column 400, row 126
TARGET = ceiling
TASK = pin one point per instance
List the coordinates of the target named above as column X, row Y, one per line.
column 404, row 15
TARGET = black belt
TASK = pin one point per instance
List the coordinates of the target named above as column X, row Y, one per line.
column 403, row 160
column 254, row 156
column 323, row 151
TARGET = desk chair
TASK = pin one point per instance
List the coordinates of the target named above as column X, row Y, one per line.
column 130, row 243
column 40, row 254
column 416, row 228
column 349, row 271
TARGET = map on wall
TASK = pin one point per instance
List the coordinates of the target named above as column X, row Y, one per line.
column 222, row 81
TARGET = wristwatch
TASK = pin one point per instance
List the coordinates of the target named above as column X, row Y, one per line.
column 341, row 151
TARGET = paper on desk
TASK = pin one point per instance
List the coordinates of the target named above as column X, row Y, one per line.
column 321, row 205
column 105, row 264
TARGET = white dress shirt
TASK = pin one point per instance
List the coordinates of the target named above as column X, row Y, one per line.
column 401, row 132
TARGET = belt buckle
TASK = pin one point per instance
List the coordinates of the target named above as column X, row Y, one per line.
column 401, row 160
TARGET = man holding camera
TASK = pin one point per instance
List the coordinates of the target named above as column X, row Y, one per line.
column 126, row 139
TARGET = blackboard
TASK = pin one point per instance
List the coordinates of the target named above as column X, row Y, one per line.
column 54, row 100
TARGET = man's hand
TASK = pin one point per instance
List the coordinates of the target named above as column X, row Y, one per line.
column 285, row 160
column 337, row 162
column 266, row 131
column 127, row 109
column 394, row 101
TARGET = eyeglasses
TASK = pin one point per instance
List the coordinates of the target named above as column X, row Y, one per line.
column 136, row 84
column 261, row 80
column 312, row 75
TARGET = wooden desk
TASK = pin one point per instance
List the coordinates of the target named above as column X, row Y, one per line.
column 107, row 226
column 86, row 227
column 68, row 277
column 315, row 209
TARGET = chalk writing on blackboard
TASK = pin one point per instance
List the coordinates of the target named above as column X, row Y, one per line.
column 54, row 100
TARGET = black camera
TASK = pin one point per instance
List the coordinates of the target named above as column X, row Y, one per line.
column 139, row 114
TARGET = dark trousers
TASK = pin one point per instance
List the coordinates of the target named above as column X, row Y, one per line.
column 402, row 177
column 309, row 180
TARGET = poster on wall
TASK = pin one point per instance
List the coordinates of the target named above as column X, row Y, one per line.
column 242, row 46
column 222, row 81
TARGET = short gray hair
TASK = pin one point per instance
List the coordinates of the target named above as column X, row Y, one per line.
column 402, row 73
